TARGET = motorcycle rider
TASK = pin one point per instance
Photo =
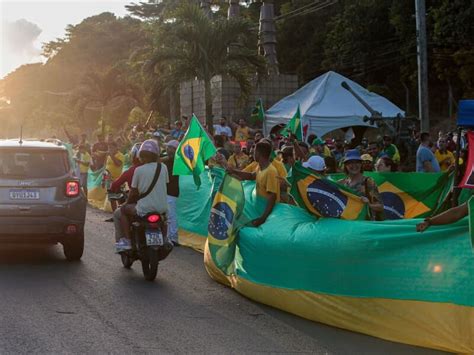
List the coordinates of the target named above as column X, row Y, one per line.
column 116, row 187
column 155, row 201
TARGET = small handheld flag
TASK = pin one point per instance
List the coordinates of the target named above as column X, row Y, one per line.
column 193, row 151
column 294, row 126
column 258, row 113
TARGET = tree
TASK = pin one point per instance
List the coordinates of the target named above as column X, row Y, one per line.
column 190, row 45
column 102, row 92
column 452, row 33
column 96, row 44
column 153, row 9
column 300, row 44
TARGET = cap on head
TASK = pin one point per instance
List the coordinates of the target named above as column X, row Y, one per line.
column 367, row 157
column 150, row 146
column 352, row 154
column 318, row 141
column 173, row 144
column 135, row 149
column 316, row 163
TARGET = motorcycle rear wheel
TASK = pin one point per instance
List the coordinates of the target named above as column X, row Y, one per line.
column 150, row 264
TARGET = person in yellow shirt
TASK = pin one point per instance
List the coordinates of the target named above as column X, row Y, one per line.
column 277, row 164
column 238, row 160
column 83, row 158
column 114, row 165
column 242, row 132
column 266, row 177
column 282, row 174
column 114, row 162
column 318, row 147
column 444, row 157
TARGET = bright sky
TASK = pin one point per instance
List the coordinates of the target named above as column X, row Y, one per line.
column 25, row 24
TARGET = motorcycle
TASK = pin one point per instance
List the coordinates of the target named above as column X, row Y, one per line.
column 120, row 197
column 149, row 245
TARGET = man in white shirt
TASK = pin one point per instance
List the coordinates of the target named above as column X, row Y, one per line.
column 223, row 129
column 155, row 201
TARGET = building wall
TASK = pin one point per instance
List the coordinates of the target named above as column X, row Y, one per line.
column 226, row 96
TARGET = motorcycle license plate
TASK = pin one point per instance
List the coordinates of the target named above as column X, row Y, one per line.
column 153, row 238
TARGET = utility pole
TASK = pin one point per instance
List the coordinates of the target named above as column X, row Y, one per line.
column 267, row 36
column 423, row 104
column 234, row 9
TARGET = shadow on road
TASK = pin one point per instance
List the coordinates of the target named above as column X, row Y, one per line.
column 31, row 255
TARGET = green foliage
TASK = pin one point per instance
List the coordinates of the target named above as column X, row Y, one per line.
column 44, row 95
column 104, row 92
column 105, row 66
column 374, row 42
column 453, row 30
column 195, row 46
column 136, row 116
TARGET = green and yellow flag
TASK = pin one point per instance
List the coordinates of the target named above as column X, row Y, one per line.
column 258, row 113
column 294, row 126
column 410, row 195
column 470, row 205
column 325, row 198
column 193, row 151
column 223, row 224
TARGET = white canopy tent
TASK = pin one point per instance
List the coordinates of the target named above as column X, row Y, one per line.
column 326, row 106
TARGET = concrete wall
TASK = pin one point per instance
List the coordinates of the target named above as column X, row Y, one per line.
column 226, row 96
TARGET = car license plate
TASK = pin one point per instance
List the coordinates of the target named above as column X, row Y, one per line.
column 153, row 238
column 23, row 194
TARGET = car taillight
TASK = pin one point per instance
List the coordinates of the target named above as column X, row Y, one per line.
column 71, row 229
column 153, row 218
column 72, row 189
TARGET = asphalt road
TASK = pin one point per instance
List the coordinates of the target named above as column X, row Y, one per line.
column 48, row 305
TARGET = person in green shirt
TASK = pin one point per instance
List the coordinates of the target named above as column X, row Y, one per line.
column 391, row 149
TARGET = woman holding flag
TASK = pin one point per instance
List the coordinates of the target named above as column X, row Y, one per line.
column 366, row 186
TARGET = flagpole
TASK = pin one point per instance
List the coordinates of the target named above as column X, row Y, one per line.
column 264, row 122
column 301, row 123
column 456, row 189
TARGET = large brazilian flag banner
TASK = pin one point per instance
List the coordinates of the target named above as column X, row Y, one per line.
column 323, row 197
column 379, row 278
column 224, row 223
column 412, row 195
column 404, row 195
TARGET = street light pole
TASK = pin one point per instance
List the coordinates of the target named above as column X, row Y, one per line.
column 423, row 103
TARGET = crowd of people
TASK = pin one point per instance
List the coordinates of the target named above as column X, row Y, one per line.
column 130, row 158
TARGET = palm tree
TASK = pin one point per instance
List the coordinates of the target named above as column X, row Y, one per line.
column 103, row 91
column 193, row 46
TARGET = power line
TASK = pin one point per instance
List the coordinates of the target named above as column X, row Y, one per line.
column 305, row 11
column 298, row 9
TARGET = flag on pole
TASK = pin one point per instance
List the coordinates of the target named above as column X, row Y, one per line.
column 258, row 113
column 195, row 148
column 294, row 126
column 467, row 181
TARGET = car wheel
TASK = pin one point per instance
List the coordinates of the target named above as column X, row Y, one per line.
column 74, row 248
